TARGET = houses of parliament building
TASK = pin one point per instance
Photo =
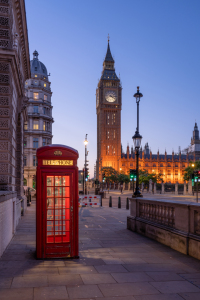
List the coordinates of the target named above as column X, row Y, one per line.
column 109, row 150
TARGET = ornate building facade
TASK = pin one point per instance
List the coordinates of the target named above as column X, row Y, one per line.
column 109, row 152
column 14, row 70
column 38, row 128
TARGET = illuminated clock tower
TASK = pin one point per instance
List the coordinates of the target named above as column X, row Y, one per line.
column 108, row 109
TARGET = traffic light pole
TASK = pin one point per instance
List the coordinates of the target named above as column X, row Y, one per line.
column 197, row 190
column 85, row 192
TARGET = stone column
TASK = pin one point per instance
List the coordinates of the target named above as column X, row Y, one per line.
column 176, row 188
column 150, row 186
column 190, row 187
column 129, row 186
column 124, row 186
column 163, row 188
column 185, row 189
column 155, row 188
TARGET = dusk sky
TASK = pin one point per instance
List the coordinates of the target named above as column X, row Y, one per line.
column 155, row 44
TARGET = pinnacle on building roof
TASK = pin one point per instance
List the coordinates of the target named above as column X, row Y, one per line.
column 108, row 54
column 35, row 54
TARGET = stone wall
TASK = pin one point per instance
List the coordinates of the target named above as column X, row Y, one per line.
column 173, row 223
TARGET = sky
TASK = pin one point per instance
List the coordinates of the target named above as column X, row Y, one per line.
column 155, row 45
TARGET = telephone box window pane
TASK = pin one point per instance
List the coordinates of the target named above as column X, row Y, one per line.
column 50, row 192
column 66, row 237
column 58, row 192
column 50, row 226
column 50, row 180
column 58, row 214
column 66, row 192
column 50, row 214
column 66, row 180
column 50, row 203
column 58, row 180
column 58, row 202
column 50, row 239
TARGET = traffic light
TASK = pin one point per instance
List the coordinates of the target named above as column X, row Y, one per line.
column 86, row 173
column 196, row 175
column 133, row 174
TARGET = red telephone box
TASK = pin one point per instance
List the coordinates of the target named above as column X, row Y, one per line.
column 57, row 202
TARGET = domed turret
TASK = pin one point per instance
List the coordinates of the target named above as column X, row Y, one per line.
column 37, row 67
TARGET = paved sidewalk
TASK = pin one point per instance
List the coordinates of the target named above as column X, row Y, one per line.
column 114, row 264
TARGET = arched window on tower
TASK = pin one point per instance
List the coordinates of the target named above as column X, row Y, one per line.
column 114, row 134
column 108, row 135
column 108, row 119
column 108, row 150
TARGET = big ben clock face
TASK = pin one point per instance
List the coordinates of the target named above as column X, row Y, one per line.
column 110, row 96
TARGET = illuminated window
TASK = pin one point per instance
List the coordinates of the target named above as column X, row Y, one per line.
column 36, row 125
column 114, row 118
column 108, row 119
column 35, row 75
column 35, row 96
column 45, row 84
column 25, row 126
column 108, row 150
column 114, row 151
column 44, row 126
column 108, row 135
column 35, row 81
column 35, row 143
column 26, row 82
column 45, row 97
column 114, row 134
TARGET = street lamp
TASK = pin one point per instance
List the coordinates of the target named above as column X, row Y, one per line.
column 137, row 138
column 84, row 181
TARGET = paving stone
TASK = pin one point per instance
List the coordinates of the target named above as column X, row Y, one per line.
column 5, row 282
column 164, row 276
column 131, row 277
column 84, row 291
column 190, row 296
column 80, row 269
column 111, row 269
column 50, row 293
column 109, row 260
column 159, row 297
column 67, row 279
column 29, row 281
column 175, row 287
column 16, row 294
column 191, row 276
column 41, row 271
column 127, row 289
column 97, row 278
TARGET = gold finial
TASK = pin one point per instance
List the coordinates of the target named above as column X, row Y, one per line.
column 108, row 38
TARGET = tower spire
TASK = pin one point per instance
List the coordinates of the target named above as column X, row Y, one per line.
column 108, row 54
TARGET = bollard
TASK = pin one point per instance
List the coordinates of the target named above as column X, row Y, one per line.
column 30, row 198
column 127, row 203
column 100, row 200
column 110, row 201
column 119, row 202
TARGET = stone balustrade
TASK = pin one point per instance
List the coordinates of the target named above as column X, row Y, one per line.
column 173, row 223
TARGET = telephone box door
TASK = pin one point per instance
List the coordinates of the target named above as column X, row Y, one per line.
column 58, row 219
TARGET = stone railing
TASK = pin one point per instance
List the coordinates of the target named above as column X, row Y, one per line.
column 173, row 223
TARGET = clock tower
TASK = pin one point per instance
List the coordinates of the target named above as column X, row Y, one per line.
column 108, row 109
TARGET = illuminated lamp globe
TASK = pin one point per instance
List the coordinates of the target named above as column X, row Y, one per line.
column 137, row 138
column 85, row 142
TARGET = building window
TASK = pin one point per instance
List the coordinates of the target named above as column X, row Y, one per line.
column 114, row 118
column 25, row 126
column 44, row 125
column 36, row 125
column 25, row 143
column 169, row 166
column 176, row 166
column 35, row 75
column 154, row 165
column 26, row 82
column 114, row 134
column 36, row 96
column 35, row 143
column 108, row 135
column 48, row 141
column 34, row 161
column 35, row 109
column 45, row 84
column 44, row 110
column 43, row 142
column 24, row 160
column 161, row 165
column 45, row 97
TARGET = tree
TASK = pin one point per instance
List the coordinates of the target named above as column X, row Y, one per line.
column 144, row 177
column 189, row 170
column 109, row 173
column 123, row 178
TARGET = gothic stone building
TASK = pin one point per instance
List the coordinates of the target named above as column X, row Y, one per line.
column 38, row 128
column 109, row 153
column 14, row 70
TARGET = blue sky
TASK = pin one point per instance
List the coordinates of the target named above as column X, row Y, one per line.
column 155, row 45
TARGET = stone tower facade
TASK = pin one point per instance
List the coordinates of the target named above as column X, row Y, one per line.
column 108, row 109
column 38, row 129
column 14, row 70
column 194, row 148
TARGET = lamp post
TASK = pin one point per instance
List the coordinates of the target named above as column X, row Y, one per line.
column 137, row 138
column 85, row 169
